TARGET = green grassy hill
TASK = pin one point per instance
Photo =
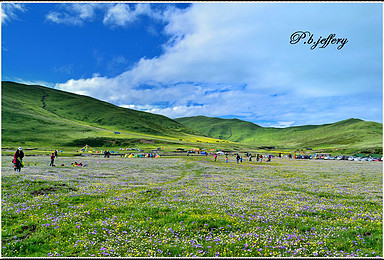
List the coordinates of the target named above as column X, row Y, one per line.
column 228, row 129
column 348, row 134
column 41, row 117
column 36, row 116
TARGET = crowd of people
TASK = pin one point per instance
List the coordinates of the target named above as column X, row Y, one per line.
column 19, row 155
column 259, row 158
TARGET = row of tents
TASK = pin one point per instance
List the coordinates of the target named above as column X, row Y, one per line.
column 139, row 155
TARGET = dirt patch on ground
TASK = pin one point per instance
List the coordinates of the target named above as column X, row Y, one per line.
column 31, row 229
column 143, row 141
column 28, row 229
column 52, row 189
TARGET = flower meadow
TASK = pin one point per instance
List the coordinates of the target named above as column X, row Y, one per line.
column 191, row 207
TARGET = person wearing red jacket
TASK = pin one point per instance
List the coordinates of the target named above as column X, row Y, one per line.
column 52, row 160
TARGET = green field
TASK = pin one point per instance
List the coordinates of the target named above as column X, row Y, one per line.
column 191, row 206
column 182, row 206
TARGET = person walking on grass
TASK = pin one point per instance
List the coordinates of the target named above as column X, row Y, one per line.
column 215, row 157
column 18, row 159
column 52, row 159
column 56, row 154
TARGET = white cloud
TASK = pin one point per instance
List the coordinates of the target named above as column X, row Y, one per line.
column 114, row 15
column 75, row 14
column 235, row 59
column 9, row 11
column 122, row 14
column 280, row 124
column 30, row 82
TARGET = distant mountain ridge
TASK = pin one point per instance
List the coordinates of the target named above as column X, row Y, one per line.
column 350, row 133
column 38, row 114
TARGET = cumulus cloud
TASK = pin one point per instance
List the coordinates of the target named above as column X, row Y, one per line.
column 114, row 15
column 123, row 14
column 74, row 14
column 235, row 59
column 9, row 11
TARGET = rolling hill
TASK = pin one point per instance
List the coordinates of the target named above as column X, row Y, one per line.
column 40, row 117
column 37, row 116
column 347, row 134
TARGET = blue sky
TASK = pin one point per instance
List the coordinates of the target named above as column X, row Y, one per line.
column 228, row 60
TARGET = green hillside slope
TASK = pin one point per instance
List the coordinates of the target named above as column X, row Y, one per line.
column 36, row 116
column 227, row 129
column 351, row 133
column 41, row 116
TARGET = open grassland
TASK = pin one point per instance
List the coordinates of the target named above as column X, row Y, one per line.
column 191, row 206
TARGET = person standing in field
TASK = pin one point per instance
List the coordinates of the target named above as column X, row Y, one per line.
column 52, row 159
column 237, row 158
column 215, row 157
column 56, row 154
column 18, row 159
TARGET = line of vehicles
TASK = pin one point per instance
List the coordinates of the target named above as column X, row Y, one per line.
column 340, row 157
column 353, row 158
column 319, row 156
